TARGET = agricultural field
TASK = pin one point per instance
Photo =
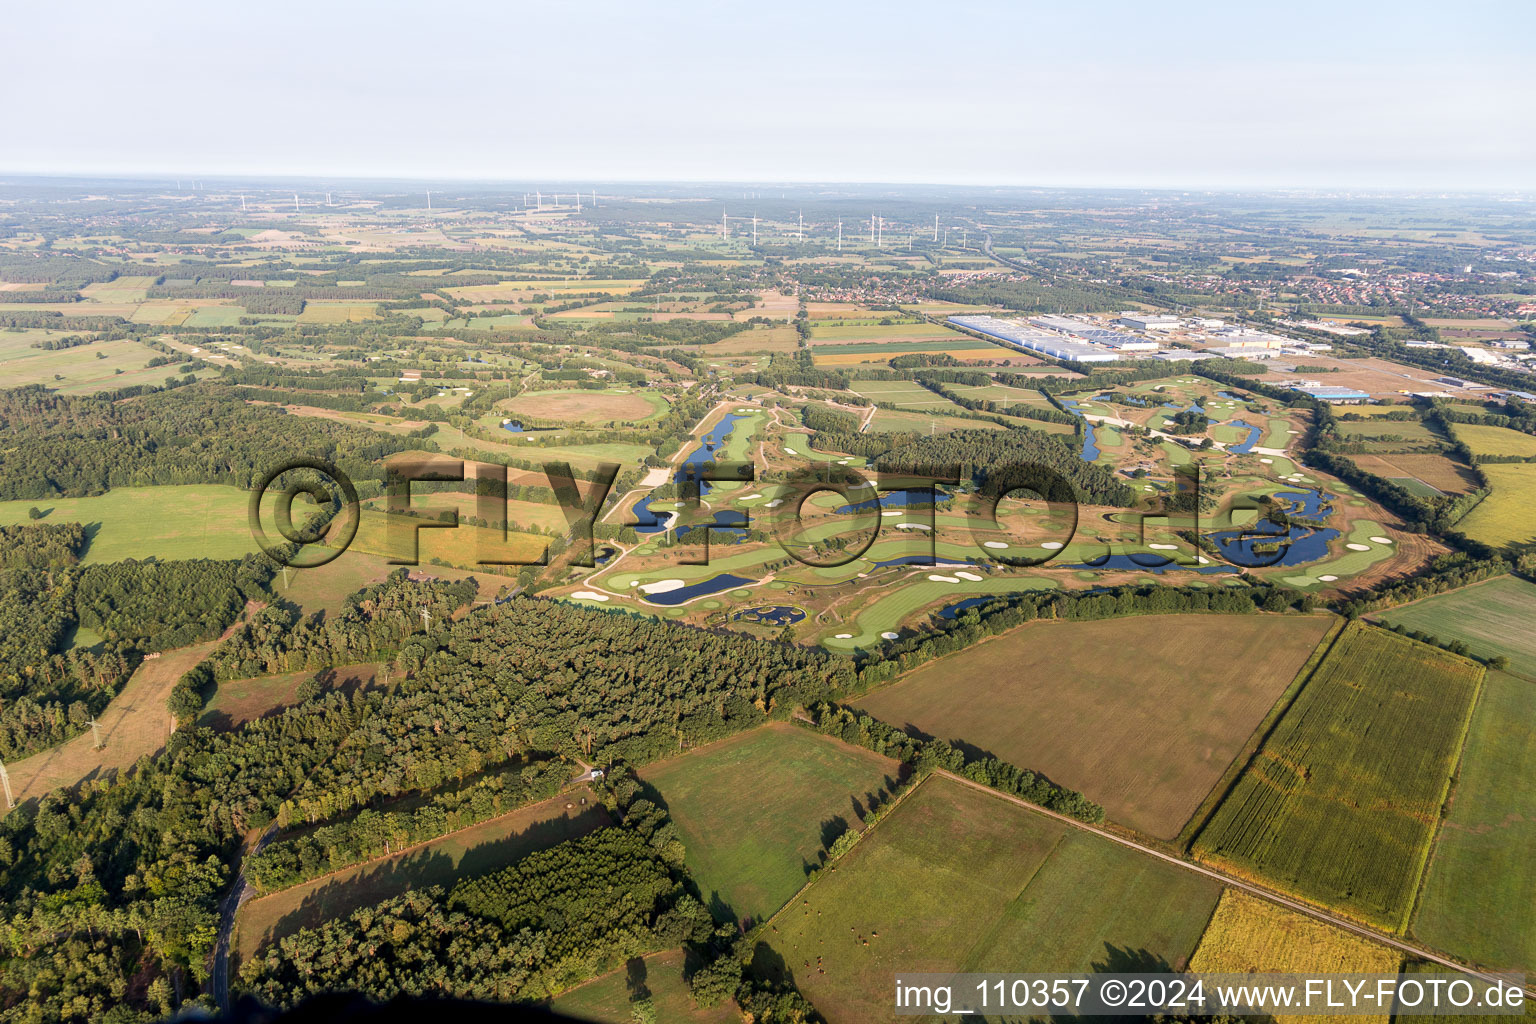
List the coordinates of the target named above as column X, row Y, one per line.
column 1422, row 474
column 169, row 522
column 609, row 999
column 956, row 878
column 1340, row 803
column 1140, row 714
column 82, row 370
column 1503, row 518
column 476, row 850
column 749, row 847
column 901, row 394
column 1249, row 934
column 1484, row 863
column 1495, row 440
column 1381, row 435
column 1492, row 618
column 134, row 725
column 238, row 701
column 589, row 408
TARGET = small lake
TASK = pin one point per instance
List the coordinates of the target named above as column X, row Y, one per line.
column 1298, row 545
column 898, row 499
column 649, row 521
column 1246, row 445
column 1090, row 442
column 772, row 615
column 725, row 581
column 512, row 426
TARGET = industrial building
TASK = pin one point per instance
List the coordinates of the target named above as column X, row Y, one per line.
column 1333, row 395
column 1098, row 335
column 1022, row 336
column 1148, row 321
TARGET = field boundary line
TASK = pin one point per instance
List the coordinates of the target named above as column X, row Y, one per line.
column 1446, row 796
column 1255, row 741
column 1238, row 883
column 890, row 809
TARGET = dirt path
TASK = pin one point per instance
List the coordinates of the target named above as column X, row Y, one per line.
column 136, row 723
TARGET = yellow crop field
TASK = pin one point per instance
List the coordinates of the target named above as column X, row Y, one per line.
column 1249, row 934
column 1495, row 440
column 1504, row 517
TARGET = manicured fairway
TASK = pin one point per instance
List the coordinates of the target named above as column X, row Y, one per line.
column 1141, row 714
column 1248, row 934
column 756, row 809
column 607, row 1000
column 958, row 879
column 169, row 522
column 1341, row 802
column 1491, row 618
column 1484, row 864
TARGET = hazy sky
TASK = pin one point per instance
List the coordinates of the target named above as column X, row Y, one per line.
column 1151, row 92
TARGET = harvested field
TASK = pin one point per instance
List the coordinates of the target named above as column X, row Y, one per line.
column 1142, row 714
column 587, row 407
column 1437, row 471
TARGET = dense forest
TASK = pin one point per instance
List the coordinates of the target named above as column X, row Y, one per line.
column 997, row 460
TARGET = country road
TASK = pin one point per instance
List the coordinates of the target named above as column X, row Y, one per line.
column 228, row 908
column 1238, row 883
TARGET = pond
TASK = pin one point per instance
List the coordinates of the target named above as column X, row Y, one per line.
column 1294, row 546
column 725, row 581
column 656, row 522
column 898, row 499
column 513, row 426
column 1246, row 445
column 1090, row 442
column 771, row 615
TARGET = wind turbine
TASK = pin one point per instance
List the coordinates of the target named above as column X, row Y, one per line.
column 242, row 202
column 839, row 234
column 722, row 225
column 578, row 202
column 429, row 199
column 935, row 227
column 754, row 229
column 802, row 225
column 295, row 202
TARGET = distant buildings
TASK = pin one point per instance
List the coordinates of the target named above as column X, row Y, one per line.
column 1150, row 321
column 1022, row 335
column 1332, row 394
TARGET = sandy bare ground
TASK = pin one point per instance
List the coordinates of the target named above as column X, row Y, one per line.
column 136, row 723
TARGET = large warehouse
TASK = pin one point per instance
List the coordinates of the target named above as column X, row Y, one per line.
column 1021, row 335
